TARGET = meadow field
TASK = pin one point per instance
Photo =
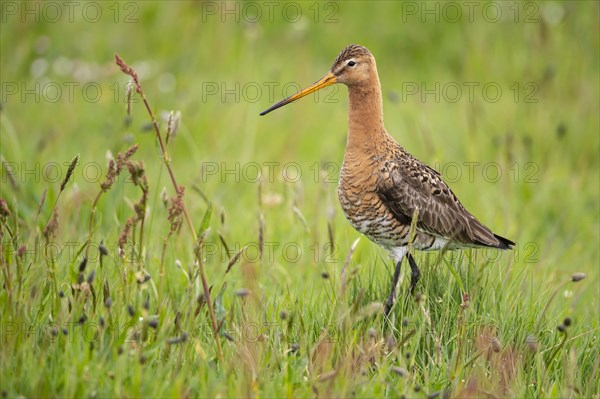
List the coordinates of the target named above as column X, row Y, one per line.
column 113, row 230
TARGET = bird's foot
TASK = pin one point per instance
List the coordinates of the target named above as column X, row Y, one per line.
column 389, row 302
column 386, row 309
column 415, row 274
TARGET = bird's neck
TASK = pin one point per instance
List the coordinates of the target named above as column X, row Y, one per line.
column 365, row 116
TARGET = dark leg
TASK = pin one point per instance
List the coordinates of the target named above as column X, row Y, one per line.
column 389, row 302
column 415, row 273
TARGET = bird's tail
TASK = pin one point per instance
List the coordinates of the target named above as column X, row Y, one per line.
column 504, row 243
column 484, row 237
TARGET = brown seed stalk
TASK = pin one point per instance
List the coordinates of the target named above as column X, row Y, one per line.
column 132, row 73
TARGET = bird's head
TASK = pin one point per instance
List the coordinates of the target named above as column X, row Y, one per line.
column 353, row 66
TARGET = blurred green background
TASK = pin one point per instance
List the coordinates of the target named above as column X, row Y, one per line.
column 501, row 97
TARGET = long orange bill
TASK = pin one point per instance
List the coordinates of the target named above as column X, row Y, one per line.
column 325, row 81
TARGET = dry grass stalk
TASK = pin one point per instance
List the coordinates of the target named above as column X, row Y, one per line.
column 346, row 263
column 63, row 184
column 114, row 170
column 461, row 328
column 133, row 74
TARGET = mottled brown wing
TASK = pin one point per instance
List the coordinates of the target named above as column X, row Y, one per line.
column 407, row 184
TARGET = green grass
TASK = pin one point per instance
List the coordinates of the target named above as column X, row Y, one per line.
column 299, row 332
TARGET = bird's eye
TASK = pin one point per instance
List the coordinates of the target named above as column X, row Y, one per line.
column 351, row 63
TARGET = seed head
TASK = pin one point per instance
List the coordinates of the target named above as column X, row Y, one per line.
column 178, row 340
column 83, row 264
column 4, row 212
column 70, row 170
column 21, row 251
column 129, row 94
column 153, row 323
column 115, row 167
column 91, row 277
column 51, row 227
column 496, row 347
column 399, row 371
column 532, row 343
column 294, row 347
column 136, row 171
column 242, row 292
column 176, row 211
column 173, row 120
column 466, row 301
column 103, row 250
column 125, row 234
column 390, row 342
